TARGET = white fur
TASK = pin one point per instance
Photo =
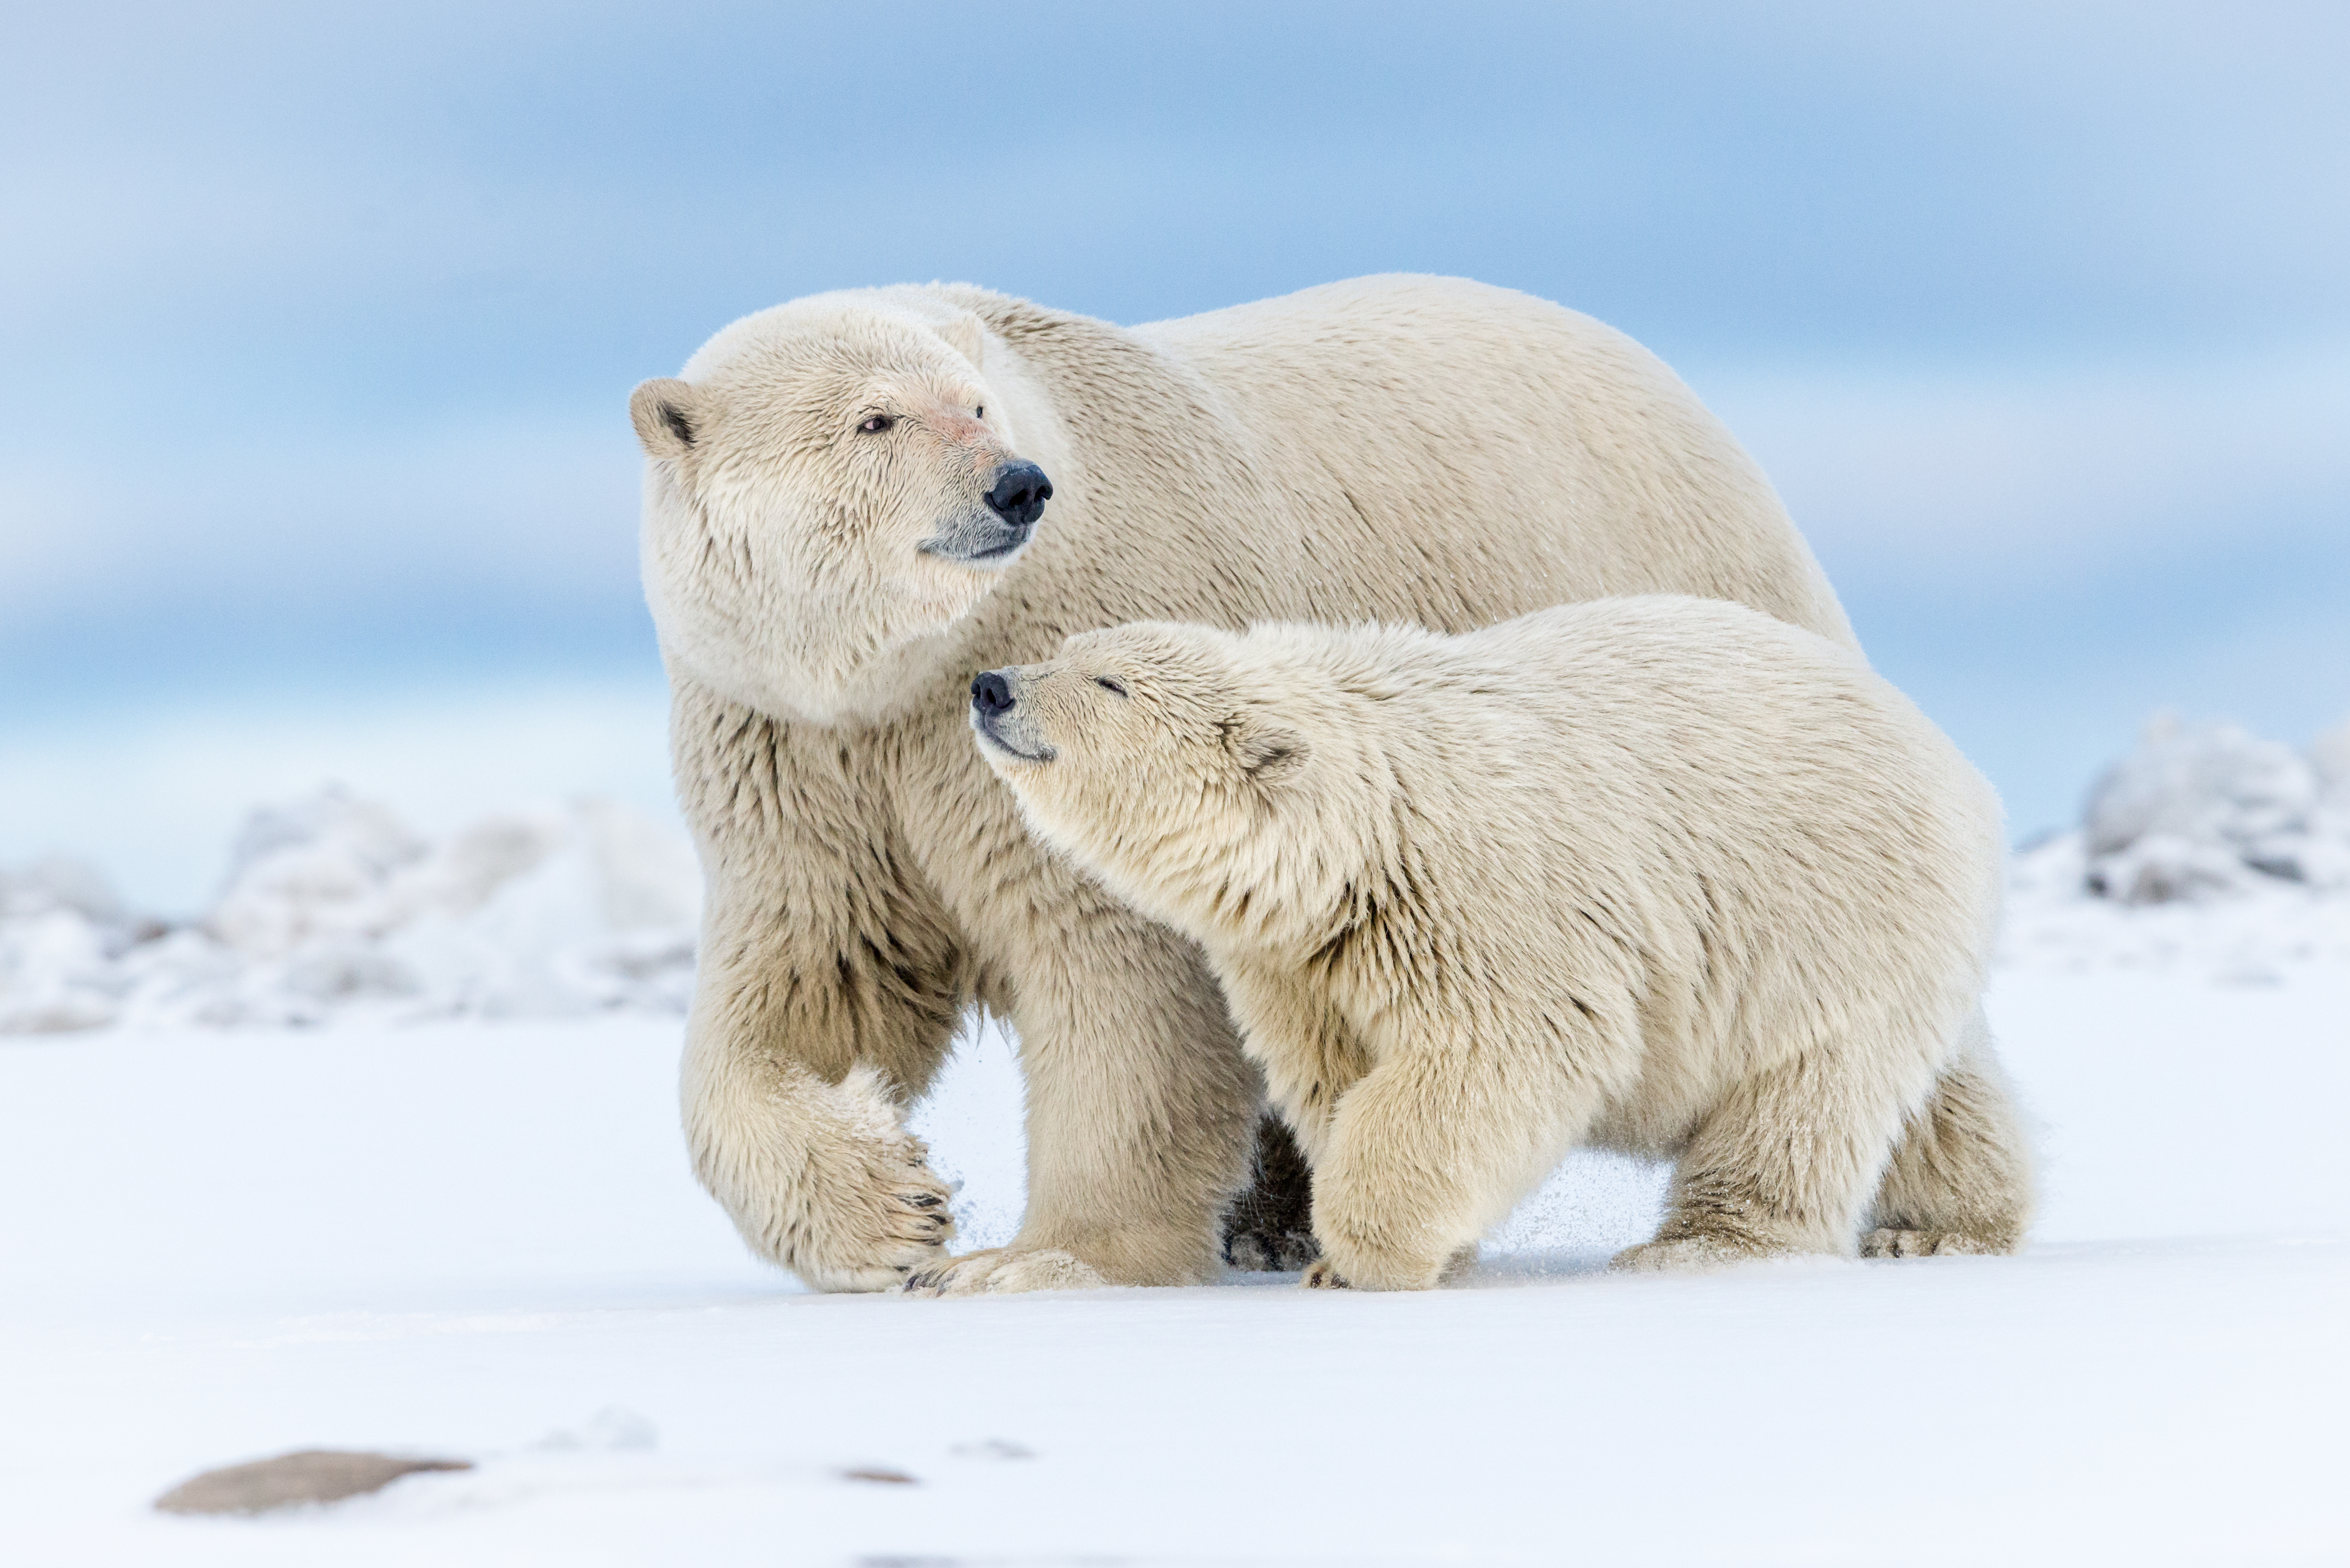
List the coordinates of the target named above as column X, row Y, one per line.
column 1660, row 874
column 1417, row 448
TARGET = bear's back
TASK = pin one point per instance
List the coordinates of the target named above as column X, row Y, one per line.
column 1409, row 448
column 1677, row 717
column 1683, row 800
column 1498, row 438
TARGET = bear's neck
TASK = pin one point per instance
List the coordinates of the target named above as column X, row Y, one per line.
column 1310, row 868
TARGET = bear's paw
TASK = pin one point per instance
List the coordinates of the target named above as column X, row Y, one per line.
column 1894, row 1244
column 1005, row 1271
column 1686, row 1255
column 1324, row 1275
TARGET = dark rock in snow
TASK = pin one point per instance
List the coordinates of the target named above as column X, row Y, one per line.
column 885, row 1478
column 311, row 1475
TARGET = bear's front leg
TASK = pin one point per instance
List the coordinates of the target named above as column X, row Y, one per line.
column 829, row 985
column 1141, row 1111
column 1427, row 1151
column 820, row 1177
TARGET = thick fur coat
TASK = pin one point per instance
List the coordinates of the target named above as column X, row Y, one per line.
column 830, row 557
column 1659, row 875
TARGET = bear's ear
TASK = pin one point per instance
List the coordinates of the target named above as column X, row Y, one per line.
column 1269, row 754
column 663, row 410
column 966, row 335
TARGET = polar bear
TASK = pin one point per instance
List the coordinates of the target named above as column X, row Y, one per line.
column 1659, row 875
column 854, row 501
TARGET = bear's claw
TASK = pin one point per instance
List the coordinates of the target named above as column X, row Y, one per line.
column 1323, row 1275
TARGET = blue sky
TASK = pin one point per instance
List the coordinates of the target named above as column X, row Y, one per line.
column 318, row 326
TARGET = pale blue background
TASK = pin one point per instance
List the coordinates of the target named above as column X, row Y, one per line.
column 319, row 324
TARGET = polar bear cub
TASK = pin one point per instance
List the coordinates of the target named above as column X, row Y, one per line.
column 1660, row 874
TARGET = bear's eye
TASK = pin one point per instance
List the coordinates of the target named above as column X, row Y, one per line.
column 1107, row 684
column 875, row 423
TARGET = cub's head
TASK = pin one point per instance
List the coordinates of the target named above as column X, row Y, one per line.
column 1214, row 781
column 832, row 483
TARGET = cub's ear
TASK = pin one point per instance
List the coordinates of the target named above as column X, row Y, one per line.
column 1269, row 754
column 663, row 411
column 966, row 335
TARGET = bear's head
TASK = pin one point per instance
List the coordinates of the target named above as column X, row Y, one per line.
column 831, row 485
column 1218, row 782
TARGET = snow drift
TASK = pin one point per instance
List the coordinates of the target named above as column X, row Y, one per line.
column 333, row 907
column 2195, row 812
column 2206, row 849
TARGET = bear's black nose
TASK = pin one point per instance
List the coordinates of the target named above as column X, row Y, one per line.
column 1020, row 494
column 991, row 694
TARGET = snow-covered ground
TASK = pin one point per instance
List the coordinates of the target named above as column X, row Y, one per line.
column 410, row 1227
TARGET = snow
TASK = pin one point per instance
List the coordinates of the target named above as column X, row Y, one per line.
column 2196, row 812
column 2207, row 850
column 452, row 1216
column 332, row 907
column 481, row 1239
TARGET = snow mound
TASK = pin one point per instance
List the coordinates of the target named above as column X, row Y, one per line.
column 2207, row 849
column 2194, row 812
column 333, row 907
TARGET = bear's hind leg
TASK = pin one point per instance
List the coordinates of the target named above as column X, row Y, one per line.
column 1784, row 1164
column 1270, row 1226
column 1961, row 1179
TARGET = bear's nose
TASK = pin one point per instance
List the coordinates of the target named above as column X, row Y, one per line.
column 1020, row 494
column 991, row 694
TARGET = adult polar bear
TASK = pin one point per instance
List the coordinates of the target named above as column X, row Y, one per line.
column 845, row 518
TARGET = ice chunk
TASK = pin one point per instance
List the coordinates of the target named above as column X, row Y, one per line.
column 2205, row 851
column 2330, row 755
column 2194, row 812
column 320, row 868
column 59, row 882
column 334, row 907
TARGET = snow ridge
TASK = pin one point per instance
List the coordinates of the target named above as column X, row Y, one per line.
column 334, row 907
column 2206, row 850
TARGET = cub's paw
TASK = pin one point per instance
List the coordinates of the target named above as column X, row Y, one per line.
column 1322, row 1274
column 1686, row 1255
column 1891, row 1243
column 1004, row 1271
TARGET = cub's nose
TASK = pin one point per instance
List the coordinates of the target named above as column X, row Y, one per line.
column 1020, row 494
column 991, row 694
